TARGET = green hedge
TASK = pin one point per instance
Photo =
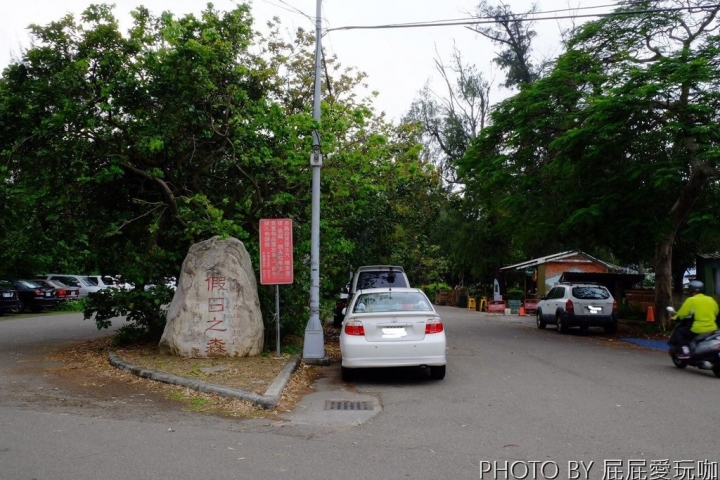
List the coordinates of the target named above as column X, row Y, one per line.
column 515, row 294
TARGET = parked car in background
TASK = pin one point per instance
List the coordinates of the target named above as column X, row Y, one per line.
column 369, row 276
column 392, row 327
column 170, row 282
column 32, row 295
column 378, row 276
column 104, row 281
column 9, row 300
column 121, row 283
column 80, row 281
column 581, row 305
column 64, row 293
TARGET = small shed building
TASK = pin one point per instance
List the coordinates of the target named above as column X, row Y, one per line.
column 541, row 274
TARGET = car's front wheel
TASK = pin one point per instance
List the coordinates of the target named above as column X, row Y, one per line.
column 437, row 372
column 539, row 321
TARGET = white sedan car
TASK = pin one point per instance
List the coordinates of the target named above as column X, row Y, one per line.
column 392, row 327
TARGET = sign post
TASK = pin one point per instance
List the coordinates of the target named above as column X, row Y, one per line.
column 276, row 260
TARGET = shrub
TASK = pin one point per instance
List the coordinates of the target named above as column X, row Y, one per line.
column 515, row 294
column 144, row 312
column 72, row 306
column 430, row 289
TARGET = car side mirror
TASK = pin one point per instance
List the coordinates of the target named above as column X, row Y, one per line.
column 344, row 311
column 670, row 309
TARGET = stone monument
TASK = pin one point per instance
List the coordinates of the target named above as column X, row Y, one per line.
column 216, row 310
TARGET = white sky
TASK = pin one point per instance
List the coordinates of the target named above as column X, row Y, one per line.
column 399, row 61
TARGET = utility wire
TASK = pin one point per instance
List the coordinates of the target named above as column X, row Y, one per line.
column 542, row 12
column 291, row 10
column 517, row 19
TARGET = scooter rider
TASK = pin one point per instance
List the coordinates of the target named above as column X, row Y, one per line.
column 704, row 310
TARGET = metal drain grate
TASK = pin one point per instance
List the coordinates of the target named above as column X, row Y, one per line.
column 347, row 405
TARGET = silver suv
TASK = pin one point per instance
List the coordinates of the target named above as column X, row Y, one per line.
column 581, row 305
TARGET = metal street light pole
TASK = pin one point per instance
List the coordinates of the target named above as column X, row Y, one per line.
column 314, row 345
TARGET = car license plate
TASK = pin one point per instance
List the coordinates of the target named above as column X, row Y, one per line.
column 394, row 332
column 594, row 310
column 7, row 294
column 48, row 294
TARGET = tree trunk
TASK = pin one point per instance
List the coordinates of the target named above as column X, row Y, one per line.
column 663, row 278
column 700, row 174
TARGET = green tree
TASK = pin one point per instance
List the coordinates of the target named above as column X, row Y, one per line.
column 120, row 151
column 613, row 148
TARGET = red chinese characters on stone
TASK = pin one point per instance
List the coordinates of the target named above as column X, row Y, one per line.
column 216, row 305
column 216, row 283
column 215, row 325
column 215, row 345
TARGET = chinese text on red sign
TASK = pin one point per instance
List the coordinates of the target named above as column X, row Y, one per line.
column 276, row 251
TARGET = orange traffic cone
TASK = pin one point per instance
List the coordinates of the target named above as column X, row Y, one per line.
column 650, row 314
column 522, row 311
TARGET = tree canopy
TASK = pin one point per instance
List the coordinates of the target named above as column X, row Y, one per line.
column 120, row 150
column 616, row 147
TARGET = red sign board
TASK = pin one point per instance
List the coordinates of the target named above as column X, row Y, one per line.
column 276, row 251
column 496, row 306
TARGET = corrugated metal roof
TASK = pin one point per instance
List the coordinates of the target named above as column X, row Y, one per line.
column 710, row 256
column 560, row 256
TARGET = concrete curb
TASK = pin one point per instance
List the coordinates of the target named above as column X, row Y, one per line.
column 267, row 401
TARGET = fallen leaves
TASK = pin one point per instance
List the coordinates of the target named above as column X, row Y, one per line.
column 253, row 374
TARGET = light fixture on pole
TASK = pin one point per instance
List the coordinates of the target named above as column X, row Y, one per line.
column 314, row 344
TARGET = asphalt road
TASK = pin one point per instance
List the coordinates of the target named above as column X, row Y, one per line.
column 531, row 398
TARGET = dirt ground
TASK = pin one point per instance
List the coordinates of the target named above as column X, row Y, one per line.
column 85, row 366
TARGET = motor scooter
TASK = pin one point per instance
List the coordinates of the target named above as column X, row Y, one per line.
column 704, row 349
